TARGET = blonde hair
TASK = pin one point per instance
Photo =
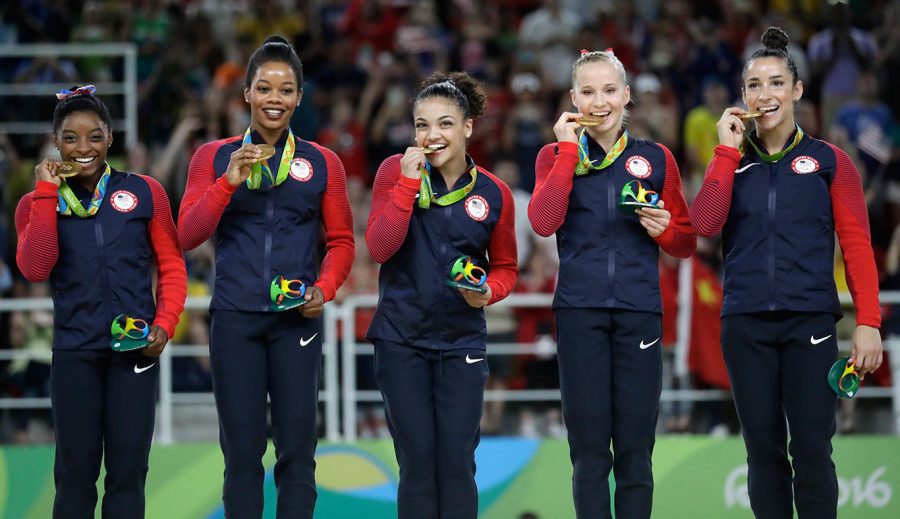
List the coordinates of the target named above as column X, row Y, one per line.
column 604, row 56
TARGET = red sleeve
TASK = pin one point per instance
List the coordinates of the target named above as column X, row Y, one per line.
column 37, row 247
column 393, row 198
column 553, row 184
column 205, row 198
column 678, row 239
column 171, row 276
column 337, row 219
column 710, row 208
column 851, row 221
column 502, row 251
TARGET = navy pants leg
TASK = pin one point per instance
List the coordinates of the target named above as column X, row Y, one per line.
column 433, row 402
column 610, row 365
column 104, row 403
column 252, row 355
column 776, row 374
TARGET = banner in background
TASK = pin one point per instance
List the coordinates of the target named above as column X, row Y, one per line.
column 695, row 477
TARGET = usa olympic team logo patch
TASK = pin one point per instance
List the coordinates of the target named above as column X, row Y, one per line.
column 638, row 166
column 124, row 201
column 477, row 208
column 301, row 170
column 805, row 164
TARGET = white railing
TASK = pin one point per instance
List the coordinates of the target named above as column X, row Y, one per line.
column 127, row 88
column 343, row 386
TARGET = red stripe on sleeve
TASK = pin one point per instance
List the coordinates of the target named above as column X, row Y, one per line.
column 710, row 208
column 171, row 275
column 37, row 247
column 553, row 184
column 851, row 221
column 337, row 219
column 678, row 239
column 205, row 198
column 393, row 198
column 502, row 252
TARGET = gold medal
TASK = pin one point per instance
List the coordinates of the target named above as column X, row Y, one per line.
column 69, row 168
column 428, row 150
column 749, row 115
column 589, row 120
column 267, row 151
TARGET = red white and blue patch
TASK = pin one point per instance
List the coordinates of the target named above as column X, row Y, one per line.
column 638, row 166
column 301, row 170
column 805, row 164
column 477, row 208
column 123, row 201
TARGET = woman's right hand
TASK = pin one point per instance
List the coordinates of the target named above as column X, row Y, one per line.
column 412, row 162
column 731, row 128
column 239, row 166
column 565, row 127
column 48, row 171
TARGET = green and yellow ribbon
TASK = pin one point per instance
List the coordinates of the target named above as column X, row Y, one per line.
column 69, row 203
column 774, row 157
column 260, row 170
column 586, row 165
column 426, row 193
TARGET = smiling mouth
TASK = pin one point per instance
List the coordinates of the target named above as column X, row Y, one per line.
column 273, row 113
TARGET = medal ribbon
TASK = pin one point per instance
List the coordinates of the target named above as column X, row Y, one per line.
column 69, row 203
column 798, row 136
column 261, row 170
column 426, row 194
column 585, row 164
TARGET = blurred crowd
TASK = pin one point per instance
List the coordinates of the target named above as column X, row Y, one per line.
column 362, row 61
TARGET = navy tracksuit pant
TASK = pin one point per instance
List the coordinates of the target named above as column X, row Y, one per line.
column 778, row 364
column 610, row 368
column 104, row 404
column 252, row 355
column 433, row 402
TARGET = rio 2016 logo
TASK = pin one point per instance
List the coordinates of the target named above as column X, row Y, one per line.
column 859, row 491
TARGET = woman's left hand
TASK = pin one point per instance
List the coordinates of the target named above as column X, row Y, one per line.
column 866, row 352
column 158, row 339
column 315, row 303
column 476, row 299
column 655, row 220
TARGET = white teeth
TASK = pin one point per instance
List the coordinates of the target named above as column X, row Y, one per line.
column 437, row 146
column 768, row 109
column 273, row 113
column 84, row 160
column 600, row 114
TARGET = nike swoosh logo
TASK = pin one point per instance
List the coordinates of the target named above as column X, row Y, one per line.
column 470, row 360
column 813, row 340
column 141, row 370
column 745, row 168
column 645, row 346
column 304, row 342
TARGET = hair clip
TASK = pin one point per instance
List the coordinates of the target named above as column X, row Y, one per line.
column 585, row 51
column 87, row 90
column 609, row 50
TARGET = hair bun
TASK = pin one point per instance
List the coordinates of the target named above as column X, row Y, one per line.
column 775, row 38
column 275, row 38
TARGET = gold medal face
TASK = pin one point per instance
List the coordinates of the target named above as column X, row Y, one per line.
column 589, row 120
column 69, row 168
column 749, row 115
column 267, row 151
